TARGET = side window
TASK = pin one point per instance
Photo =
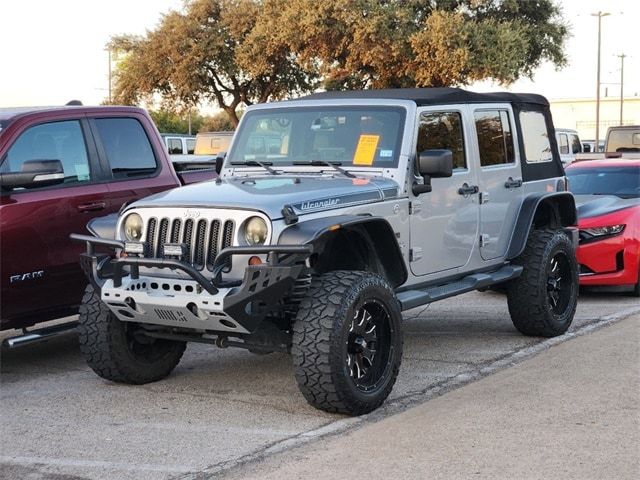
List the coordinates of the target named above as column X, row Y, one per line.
column 535, row 137
column 191, row 145
column 495, row 140
column 442, row 130
column 175, row 146
column 62, row 141
column 563, row 143
column 576, row 146
column 127, row 146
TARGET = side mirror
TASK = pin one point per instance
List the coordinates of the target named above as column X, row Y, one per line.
column 220, row 161
column 433, row 164
column 34, row 173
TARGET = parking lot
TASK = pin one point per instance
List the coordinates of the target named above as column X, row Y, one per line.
column 223, row 407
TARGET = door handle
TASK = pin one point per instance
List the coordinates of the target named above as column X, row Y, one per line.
column 467, row 189
column 92, row 207
column 511, row 183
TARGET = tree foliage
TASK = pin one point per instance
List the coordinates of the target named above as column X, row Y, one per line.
column 169, row 121
column 239, row 52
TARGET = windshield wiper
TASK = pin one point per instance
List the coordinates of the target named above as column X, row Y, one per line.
column 324, row 163
column 255, row 163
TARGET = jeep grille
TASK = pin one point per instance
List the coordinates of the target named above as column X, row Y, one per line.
column 204, row 238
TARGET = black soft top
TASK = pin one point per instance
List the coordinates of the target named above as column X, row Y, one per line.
column 431, row 96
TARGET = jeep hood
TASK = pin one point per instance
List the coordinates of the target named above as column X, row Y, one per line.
column 269, row 194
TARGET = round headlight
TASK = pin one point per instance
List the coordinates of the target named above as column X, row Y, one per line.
column 133, row 227
column 255, row 231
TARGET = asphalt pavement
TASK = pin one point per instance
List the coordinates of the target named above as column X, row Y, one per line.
column 572, row 412
column 222, row 410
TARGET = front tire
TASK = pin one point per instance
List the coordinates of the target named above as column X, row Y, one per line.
column 347, row 342
column 542, row 301
column 115, row 353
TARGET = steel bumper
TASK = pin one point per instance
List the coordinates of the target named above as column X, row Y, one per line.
column 198, row 302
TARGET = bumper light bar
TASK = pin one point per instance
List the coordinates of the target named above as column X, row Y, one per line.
column 174, row 250
column 136, row 248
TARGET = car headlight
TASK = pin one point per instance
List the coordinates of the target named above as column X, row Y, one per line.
column 255, row 231
column 602, row 231
column 133, row 227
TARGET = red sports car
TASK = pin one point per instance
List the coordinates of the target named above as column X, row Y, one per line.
column 607, row 196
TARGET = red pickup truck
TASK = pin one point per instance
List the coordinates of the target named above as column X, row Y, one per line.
column 59, row 168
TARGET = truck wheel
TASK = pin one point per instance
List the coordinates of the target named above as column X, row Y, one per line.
column 113, row 351
column 542, row 301
column 347, row 342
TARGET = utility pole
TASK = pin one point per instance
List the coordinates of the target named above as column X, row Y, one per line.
column 599, row 15
column 621, row 56
column 109, row 50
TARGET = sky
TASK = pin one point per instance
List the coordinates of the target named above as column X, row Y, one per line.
column 54, row 51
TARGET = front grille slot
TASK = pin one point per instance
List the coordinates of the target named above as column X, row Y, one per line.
column 162, row 237
column 204, row 238
column 199, row 249
column 214, row 242
column 227, row 239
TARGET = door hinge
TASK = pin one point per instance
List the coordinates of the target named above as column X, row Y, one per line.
column 484, row 240
column 415, row 206
column 415, row 254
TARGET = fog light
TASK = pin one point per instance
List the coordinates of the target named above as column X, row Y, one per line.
column 255, row 260
column 135, row 248
column 174, row 250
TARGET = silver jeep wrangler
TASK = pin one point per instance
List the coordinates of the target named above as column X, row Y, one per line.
column 332, row 214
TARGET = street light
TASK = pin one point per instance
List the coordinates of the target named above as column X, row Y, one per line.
column 622, row 57
column 599, row 15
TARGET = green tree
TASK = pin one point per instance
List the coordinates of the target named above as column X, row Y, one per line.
column 406, row 43
column 220, row 122
column 169, row 121
column 239, row 52
column 209, row 52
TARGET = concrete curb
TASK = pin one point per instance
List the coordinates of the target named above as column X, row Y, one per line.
column 412, row 399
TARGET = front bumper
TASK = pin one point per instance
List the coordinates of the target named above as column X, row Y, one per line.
column 196, row 302
column 612, row 261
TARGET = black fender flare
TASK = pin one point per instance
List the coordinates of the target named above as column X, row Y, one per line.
column 104, row 227
column 566, row 208
column 319, row 231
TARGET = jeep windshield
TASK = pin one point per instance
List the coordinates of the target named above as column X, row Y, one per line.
column 348, row 136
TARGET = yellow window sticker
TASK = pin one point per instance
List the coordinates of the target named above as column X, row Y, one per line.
column 366, row 150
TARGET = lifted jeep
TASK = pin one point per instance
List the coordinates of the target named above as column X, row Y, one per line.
column 333, row 214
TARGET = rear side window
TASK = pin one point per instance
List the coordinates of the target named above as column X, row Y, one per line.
column 576, row 145
column 495, row 140
column 175, row 146
column 127, row 147
column 535, row 137
column 62, row 141
column 191, row 145
column 563, row 143
column 442, row 131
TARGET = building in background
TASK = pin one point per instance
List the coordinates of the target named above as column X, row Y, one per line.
column 580, row 114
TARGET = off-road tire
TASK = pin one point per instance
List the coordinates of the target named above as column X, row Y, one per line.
column 321, row 331
column 531, row 309
column 636, row 289
column 106, row 344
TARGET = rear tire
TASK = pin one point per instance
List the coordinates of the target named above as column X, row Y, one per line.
column 347, row 342
column 542, row 301
column 115, row 353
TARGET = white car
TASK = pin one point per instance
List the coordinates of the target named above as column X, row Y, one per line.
column 569, row 145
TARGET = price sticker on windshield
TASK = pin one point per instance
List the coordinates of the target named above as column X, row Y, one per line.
column 366, row 150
